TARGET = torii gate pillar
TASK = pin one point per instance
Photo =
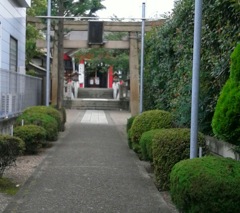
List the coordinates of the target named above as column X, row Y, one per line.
column 134, row 74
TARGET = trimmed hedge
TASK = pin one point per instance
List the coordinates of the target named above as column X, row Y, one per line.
column 34, row 136
column 169, row 147
column 148, row 120
column 46, row 121
column 146, row 144
column 226, row 122
column 49, row 111
column 130, row 122
column 208, row 184
column 128, row 127
column 10, row 148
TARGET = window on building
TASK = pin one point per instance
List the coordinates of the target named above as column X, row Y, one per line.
column 13, row 54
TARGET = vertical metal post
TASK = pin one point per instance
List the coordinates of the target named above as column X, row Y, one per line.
column 195, row 78
column 142, row 58
column 48, row 54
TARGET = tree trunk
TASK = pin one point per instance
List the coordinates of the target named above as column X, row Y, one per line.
column 60, row 56
column 55, row 71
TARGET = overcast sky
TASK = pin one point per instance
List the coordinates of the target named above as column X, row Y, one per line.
column 133, row 8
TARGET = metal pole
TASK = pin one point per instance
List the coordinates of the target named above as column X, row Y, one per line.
column 195, row 78
column 48, row 54
column 142, row 57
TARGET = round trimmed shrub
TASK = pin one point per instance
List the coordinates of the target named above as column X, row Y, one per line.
column 10, row 148
column 208, row 184
column 47, row 110
column 226, row 122
column 146, row 144
column 148, row 120
column 128, row 127
column 46, row 121
column 34, row 137
column 130, row 122
column 169, row 147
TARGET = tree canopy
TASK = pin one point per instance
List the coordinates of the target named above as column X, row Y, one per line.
column 38, row 7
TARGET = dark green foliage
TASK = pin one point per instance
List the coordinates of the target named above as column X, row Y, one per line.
column 128, row 127
column 169, row 147
column 129, row 140
column 10, row 148
column 130, row 122
column 226, row 122
column 148, row 120
column 46, row 110
column 46, row 121
column 169, row 50
column 34, row 137
column 146, row 144
column 208, row 184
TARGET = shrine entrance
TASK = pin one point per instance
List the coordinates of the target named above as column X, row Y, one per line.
column 96, row 79
column 131, row 43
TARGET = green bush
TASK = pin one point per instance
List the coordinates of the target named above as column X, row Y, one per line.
column 10, row 148
column 146, row 144
column 208, row 184
column 148, row 120
column 34, row 137
column 169, row 147
column 226, row 122
column 46, row 121
column 128, row 127
column 130, row 122
column 47, row 110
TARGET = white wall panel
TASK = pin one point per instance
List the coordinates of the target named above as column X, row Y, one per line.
column 13, row 19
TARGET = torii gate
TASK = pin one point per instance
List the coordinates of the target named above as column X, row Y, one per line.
column 110, row 26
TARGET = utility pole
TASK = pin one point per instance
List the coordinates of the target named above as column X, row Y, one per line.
column 195, row 78
column 48, row 54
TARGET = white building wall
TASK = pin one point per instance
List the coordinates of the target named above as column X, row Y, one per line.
column 13, row 23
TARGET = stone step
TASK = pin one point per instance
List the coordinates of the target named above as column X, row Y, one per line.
column 100, row 93
column 94, row 104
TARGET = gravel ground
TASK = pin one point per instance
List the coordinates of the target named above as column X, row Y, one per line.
column 25, row 166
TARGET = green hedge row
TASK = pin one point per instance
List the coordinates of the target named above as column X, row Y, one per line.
column 10, row 148
column 128, row 127
column 48, row 111
column 152, row 119
column 200, row 185
column 169, row 147
column 33, row 129
column 208, row 184
column 146, row 144
column 152, row 137
column 34, row 137
column 40, row 125
column 48, row 122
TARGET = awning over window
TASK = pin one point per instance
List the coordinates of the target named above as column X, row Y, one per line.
column 23, row 3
